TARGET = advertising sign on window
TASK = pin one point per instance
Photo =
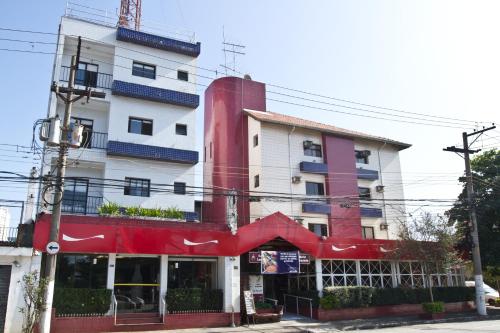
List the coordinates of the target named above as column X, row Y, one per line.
column 256, row 284
column 278, row 262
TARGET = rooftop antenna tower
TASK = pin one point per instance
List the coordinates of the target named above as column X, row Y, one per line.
column 130, row 14
column 233, row 49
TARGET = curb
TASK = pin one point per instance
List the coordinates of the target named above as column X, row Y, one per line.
column 416, row 322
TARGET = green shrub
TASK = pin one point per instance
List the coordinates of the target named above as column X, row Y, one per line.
column 433, row 307
column 109, row 208
column 81, row 300
column 133, row 211
column 193, row 299
column 263, row 305
column 329, row 302
column 351, row 297
column 497, row 302
column 355, row 297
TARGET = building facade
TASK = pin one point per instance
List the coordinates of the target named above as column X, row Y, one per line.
column 271, row 183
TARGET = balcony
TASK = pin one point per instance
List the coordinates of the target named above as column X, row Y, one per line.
column 79, row 203
column 311, row 167
column 153, row 153
column 316, row 208
column 22, row 235
column 371, row 212
column 88, row 78
column 367, row 174
column 94, row 140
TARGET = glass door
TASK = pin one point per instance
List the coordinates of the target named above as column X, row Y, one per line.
column 137, row 284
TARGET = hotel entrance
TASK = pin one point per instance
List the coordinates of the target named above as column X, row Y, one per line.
column 137, row 284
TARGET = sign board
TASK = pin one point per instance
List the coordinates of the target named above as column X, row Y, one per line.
column 249, row 303
column 52, row 248
column 254, row 258
column 278, row 262
column 256, row 283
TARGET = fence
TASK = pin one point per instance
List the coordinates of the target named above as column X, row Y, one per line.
column 8, row 236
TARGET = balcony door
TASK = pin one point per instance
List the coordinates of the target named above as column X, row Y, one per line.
column 75, row 196
column 137, row 284
column 86, row 75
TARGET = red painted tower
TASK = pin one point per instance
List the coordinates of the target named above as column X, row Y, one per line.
column 226, row 144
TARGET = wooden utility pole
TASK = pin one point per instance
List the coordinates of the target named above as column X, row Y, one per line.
column 476, row 255
column 69, row 95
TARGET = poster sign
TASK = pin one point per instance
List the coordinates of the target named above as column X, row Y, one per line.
column 256, row 284
column 278, row 262
column 249, row 303
column 304, row 258
column 254, row 258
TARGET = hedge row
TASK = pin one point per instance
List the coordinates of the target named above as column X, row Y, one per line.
column 81, row 300
column 358, row 297
column 190, row 299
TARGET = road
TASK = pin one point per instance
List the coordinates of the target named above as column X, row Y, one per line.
column 486, row 326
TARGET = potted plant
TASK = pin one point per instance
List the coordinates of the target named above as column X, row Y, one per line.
column 433, row 310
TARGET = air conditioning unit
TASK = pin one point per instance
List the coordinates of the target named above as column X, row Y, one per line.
column 384, row 226
column 296, row 179
column 308, row 144
column 363, row 153
column 379, row 188
column 299, row 219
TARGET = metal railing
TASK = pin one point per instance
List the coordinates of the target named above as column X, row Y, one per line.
column 88, row 78
column 8, row 236
column 115, row 307
column 163, row 309
column 94, row 140
column 297, row 303
column 90, row 206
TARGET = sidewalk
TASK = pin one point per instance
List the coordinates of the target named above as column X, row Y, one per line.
column 292, row 324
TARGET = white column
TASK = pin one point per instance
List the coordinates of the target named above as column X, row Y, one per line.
column 231, row 284
column 319, row 276
column 110, row 283
column 163, row 277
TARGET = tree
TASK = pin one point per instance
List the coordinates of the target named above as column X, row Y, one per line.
column 34, row 290
column 431, row 241
column 486, row 178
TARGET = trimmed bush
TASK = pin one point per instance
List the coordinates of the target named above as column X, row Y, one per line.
column 193, row 299
column 263, row 305
column 433, row 307
column 329, row 302
column 113, row 209
column 356, row 297
column 81, row 300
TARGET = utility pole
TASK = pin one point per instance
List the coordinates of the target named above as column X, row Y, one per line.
column 71, row 95
column 476, row 255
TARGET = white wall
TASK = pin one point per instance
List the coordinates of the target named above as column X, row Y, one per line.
column 156, row 172
column 164, row 118
column 13, row 318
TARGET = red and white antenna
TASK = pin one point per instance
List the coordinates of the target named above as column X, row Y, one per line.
column 130, row 14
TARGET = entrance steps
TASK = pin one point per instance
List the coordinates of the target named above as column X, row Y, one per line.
column 131, row 319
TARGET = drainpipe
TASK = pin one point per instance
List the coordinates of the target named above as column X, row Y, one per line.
column 382, row 184
column 291, row 172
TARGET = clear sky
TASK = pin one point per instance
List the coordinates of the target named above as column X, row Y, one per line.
column 431, row 57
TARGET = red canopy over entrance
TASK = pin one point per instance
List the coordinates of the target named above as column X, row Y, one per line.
column 85, row 234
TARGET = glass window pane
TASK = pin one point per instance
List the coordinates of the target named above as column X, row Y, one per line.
column 134, row 126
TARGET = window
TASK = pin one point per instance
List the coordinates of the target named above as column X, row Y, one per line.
column 256, row 181
column 183, row 75
column 318, row 229
column 81, row 271
column 181, row 129
column 179, row 188
column 75, row 196
column 143, row 70
column 315, row 188
column 368, row 233
column 377, row 274
column 362, row 156
column 312, row 149
column 411, row 274
column 140, row 126
column 189, row 273
column 137, row 187
column 86, row 74
column 364, row 193
column 339, row 273
column 255, row 140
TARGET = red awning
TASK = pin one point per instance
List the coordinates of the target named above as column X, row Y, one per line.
column 86, row 234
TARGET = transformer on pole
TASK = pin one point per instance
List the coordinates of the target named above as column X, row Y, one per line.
column 130, row 14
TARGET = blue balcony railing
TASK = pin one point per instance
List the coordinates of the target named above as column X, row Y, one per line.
column 312, row 167
column 371, row 212
column 367, row 174
column 316, row 207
